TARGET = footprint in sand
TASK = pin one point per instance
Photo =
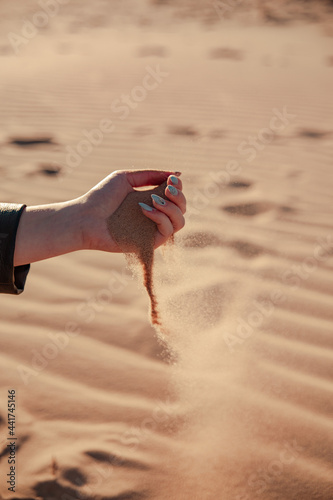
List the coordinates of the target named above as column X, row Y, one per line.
column 20, row 441
column 31, row 169
column 160, row 2
column 313, row 134
column 50, row 169
column 203, row 240
column 152, row 51
column 75, row 476
column 240, row 184
column 226, row 53
column 26, row 141
column 52, row 490
column 116, row 461
column 217, row 133
column 25, row 498
column 286, row 209
column 246, row 249
column 183, row 130
column 248, row 209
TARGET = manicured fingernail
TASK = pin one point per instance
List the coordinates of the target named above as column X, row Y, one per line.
column 158, row 200
column 174, row 179
column 173, row 190
column 146, row 207
column 178, row 174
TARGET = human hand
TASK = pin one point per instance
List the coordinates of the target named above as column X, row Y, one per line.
column 104, row 199
column 46, row 231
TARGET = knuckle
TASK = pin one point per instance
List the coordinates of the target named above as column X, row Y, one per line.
column 118, row 172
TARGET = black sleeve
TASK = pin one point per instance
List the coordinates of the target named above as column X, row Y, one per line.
column 12, row 279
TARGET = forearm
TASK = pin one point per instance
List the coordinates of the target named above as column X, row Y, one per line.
column 46, row 231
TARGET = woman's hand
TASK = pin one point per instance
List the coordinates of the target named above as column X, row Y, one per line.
column 46, row 231
column 103, row 200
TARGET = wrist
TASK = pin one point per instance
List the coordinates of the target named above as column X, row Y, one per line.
column 82, row 220
column 46, row 231
column 71, row 222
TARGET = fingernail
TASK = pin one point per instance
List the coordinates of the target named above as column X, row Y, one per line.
column 178, row 174
column 173, row 190
column 158, row 200
column 146, row 207
column 174, row 179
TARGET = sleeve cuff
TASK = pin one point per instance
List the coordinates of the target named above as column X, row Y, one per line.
column 12, row 279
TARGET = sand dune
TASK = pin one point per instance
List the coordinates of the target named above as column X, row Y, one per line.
column 236, row 402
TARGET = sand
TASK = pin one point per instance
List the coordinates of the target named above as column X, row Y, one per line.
column 244, row 411
column 135, row 235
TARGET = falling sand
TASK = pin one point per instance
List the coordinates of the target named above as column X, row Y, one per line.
column 135, row 235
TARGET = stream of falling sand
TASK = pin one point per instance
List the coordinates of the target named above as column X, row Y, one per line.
column 135, row 235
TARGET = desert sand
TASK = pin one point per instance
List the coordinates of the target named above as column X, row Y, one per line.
column 236, row 402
